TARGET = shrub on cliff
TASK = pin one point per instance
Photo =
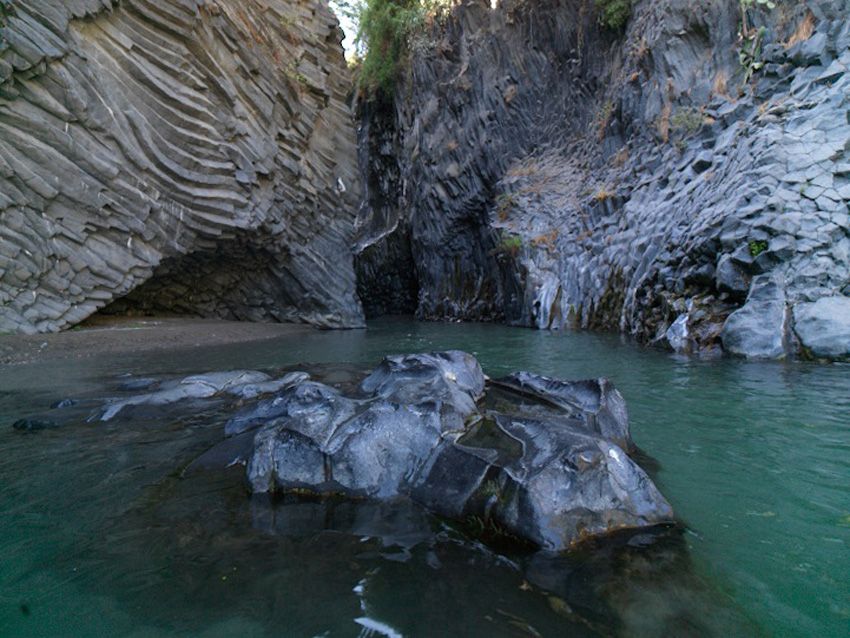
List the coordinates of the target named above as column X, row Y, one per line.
column 614, row 13
column 386, row 29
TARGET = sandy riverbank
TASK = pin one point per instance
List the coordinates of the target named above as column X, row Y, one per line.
column 126, row 335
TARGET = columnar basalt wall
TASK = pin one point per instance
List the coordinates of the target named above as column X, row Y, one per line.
column 654, row 180
column 197, row 154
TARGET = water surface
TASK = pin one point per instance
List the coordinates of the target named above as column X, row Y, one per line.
column 100, row 535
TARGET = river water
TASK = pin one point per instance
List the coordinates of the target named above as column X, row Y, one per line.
column 102, row 535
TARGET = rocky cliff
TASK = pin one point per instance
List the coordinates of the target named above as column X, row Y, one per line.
column 197, row 154
column 685, row 180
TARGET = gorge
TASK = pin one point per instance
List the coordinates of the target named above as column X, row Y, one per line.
column 581, row 274
column 531, row 166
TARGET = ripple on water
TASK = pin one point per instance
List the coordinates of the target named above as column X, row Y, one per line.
column 100, row 536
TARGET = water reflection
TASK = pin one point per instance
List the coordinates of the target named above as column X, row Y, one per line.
column 100, row 535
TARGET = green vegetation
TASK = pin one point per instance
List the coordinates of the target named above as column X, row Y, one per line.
column 290, row 70
column 603, row 118
column 749, row 55
column 746, row 7
column 757, row 247
column 385, row 29
column 504, row 204
column 686, row 121
column 385, row 35
column 614, row 13
column 510, row 244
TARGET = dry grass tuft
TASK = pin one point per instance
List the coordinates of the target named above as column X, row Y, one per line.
column 603, row 194
column 803, row 31
column 719, row 87
column 664, row 122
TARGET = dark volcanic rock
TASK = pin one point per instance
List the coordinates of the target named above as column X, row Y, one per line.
column 238, row 383
column 420, row 432
column 199, row 156
column 823, row 327
column 557, row 174
column 536, row 458
column 34, row 424
column 452, row 377
column 758, row 330
column 544, row 480
column 596, row 402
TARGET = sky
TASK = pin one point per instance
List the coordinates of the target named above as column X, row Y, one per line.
column 349, row 27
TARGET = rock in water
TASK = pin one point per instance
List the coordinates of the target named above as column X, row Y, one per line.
column 452, row 377
column 596, row 402
column 543, row 481
column 758, row 330
column 420, row 431
column 199, row 156
column 542, row 459
column 824, row 327
column 34, row 424
column 239, row 383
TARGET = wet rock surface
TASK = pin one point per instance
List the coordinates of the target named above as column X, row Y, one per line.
column 176, row 156
column 595, row 402
column 552, row 477
column 524, row 458
column 758, row 330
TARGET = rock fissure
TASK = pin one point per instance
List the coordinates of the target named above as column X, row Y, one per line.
column 639, row 182
column 532, row 167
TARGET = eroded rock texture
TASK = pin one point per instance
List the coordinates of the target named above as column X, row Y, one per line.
column 556, row 174
column 196, row 154
column 536, row 458
column 550, row 469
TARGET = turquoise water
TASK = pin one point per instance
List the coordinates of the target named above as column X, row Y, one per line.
column 101, row 536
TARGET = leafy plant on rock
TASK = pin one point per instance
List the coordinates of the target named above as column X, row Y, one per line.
column 687, row 121
column 749, row 54
column 757, row 247
column 510, row 244
column 385, row 34
column 614, row 13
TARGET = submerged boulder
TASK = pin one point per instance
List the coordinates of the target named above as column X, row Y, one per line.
column 823, row 327
column 420, row 429
column 238, row 383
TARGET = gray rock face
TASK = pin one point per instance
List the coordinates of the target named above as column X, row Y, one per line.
column 240, row 383
column 553, row 485
column 419, row 431
column 314, row 398
column 453, row 378
column 188, row 156
column 758, row 330
column 596, row 402
column 610, row 181
column 823, row 327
